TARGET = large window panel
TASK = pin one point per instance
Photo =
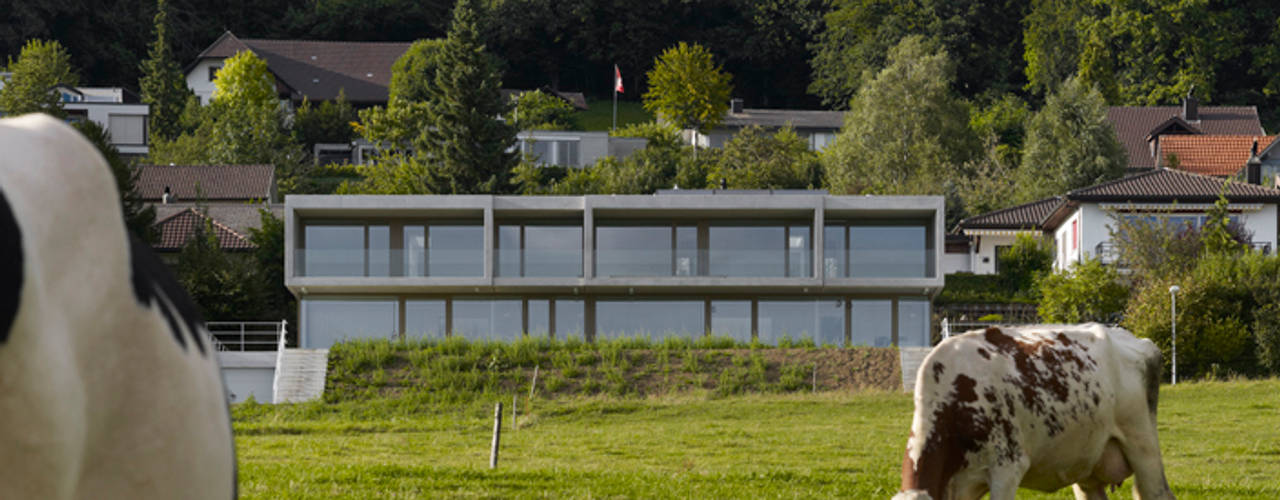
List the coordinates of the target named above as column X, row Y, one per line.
column 334, row 250
column 379, row 251
column 731, row 318
column 424, row 319
column 483, row 319
column 508, row 253
column 835, row 251
column 570, row 319
column 539, row 311
column 799, row 252
column 551, row 251
column 913, row 322
column 871, row 322
column 415, row 251
column 747, row 251
column 687, row 262
column 330, row 321
column 890, row 251
column 655, row 319
column 455, row 251
column 821, row 320
column 633, row 251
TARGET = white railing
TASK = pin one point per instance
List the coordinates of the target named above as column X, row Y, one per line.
column 275, row 377
column 244, row 336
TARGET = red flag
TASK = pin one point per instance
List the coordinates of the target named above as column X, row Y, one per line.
column 617, row 80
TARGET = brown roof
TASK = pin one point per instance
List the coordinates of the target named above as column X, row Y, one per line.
column 319, row 69
column 1167, row 185
column 178, row 228
column 1218, row 155
column 1134, row 125
column 1026, row 216
column 216, row 182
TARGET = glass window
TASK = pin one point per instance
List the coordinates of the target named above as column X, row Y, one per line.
column 379, row 251
column 553, row 251
column 481, row 319
column 570, row 319
column 633, row 251
column 835, row 257
column 731, row 318
column 656, row 319
column 424, row 319
column 539, row 318
column 913, row 322
column 885, row 251
column 871, row 322
column 455, row 251
column 415, row 251
column 327, row 322
column 687, row 251
column 821, row 321
column 508, row 251
column 334, row 250
column 799, row 252
column 747, row 251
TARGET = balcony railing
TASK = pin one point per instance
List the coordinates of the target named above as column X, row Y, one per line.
column 247, row 336
column 1109, row 253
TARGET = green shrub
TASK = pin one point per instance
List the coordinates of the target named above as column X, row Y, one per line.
column 1024, row 263
column 1089, row 291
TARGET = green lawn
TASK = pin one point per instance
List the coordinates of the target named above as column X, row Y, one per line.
column 599, row 115
column 1220, row 440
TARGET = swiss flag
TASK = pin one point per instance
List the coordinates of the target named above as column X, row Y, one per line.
column 617, row 80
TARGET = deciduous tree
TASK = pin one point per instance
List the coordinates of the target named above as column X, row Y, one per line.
column 687, row 88
column 1070, row 143
column 41, row 65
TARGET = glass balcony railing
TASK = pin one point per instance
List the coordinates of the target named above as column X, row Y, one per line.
column 709, row 263
column 539, row 263
column 388, row 263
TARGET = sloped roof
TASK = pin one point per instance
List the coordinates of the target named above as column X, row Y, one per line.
column 319, row 69
column 1217, row 155
column 1165, row 185
column 178, row 228
column 1134, row 124
column 1026, row 216
column 216, row 182
column 798, row 118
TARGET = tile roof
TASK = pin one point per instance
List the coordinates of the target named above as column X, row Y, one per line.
column 1165, row 185
column 1217, row 155
column 1026, row 216
column 216, row 182
column 1134, row 124
column 319, row 69
column 239, row 217
column 798, row 118
column 178, row 228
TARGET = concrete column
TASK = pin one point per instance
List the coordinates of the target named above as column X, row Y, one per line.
column 588, row 239
column 489, row 231
column 819, row 242
column 290, row 241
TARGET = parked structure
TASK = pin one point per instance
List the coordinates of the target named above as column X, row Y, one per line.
column 1080, row 222
column 840, row 270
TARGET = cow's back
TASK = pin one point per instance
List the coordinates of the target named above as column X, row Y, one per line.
column 100, row 395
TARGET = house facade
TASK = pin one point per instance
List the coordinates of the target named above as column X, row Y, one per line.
column 839, row 270
column 114, row 109
column 1080, row 223
column 817, row 128
column 1142, row 129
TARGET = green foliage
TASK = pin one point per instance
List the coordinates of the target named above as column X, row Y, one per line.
column 965, row 288
column 661, row 135
column 1218, row 234
column 163, row 84
column 1089, row 291
column 394, row 173
column 275, row 301
column 1070, row 144
column 221, row 284
column 329, row 122
column 757, row 159
column 415, row 71
column 907, row 133
column 41, row 65
column 466, row 142
column 599, row 115
column 538, row 110
column 1026, row 262
column 139, row 218
column 1052, row 42
column 687, row 88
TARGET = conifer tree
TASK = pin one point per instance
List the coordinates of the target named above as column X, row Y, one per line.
column 467, row 145
column 163, row 85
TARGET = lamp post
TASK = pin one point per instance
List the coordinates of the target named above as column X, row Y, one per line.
column 1173, row 315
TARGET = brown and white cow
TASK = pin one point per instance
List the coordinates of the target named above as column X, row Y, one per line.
column 1039, row 407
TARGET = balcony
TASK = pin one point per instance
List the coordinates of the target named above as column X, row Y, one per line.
column 382, row 263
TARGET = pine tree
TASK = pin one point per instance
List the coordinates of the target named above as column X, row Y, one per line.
column 162, row 83
column 467, row 145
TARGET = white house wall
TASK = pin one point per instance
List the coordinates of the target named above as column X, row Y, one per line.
column 956, row 263
column 1262, row 224
column 984, row 255
column 1065, row 255
column 133, row 116
column 198, row 79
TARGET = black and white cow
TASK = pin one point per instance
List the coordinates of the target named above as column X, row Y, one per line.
column 109, row 387
column 1038, row 407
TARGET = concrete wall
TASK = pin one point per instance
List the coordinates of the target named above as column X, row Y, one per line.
column 956, row 263
column 130, row 135
column 248, row 373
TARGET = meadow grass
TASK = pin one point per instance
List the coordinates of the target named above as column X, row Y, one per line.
column 599, row 115
column 1220, row 440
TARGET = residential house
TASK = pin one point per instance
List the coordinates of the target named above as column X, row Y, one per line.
column 571, row 148
column 1080, row 222
column 120, row 112
column 1141, row 128
column 311, row 69
column 176, row 231
column 752, row 266
column 229, row 195
column 818, row 128
column 1216, row 155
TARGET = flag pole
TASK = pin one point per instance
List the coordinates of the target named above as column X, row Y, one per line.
column 615, row 98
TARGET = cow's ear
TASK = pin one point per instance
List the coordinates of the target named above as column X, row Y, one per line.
column 10, row 267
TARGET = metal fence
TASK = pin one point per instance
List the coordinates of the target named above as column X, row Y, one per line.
column 247, row 336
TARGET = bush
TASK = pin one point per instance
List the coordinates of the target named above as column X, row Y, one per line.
column 1025, row 263
column 1090, row 291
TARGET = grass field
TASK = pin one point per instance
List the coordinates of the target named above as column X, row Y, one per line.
column 599, row 115
column 1220, row 441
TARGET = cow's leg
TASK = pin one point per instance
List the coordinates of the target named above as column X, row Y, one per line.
column 1091, row 491
column 1142, row 451
column 1004, row 480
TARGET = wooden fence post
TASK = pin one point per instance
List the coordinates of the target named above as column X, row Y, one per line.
column 497, row 433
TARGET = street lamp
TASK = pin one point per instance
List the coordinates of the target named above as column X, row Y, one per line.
column 1173, row 314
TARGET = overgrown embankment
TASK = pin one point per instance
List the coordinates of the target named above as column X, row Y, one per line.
column 455, row 370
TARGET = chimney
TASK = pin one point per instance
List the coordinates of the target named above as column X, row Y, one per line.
column 164, row 199
column 1191, row 107
column 1253, row 168
column 735, row 106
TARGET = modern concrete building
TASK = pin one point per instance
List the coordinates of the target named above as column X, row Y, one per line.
column 840, row 270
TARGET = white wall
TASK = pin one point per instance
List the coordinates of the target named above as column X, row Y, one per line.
column 244, row 382
column 956, row 263
column 1262, row 224
column 198, row 79
column 127, row 123
column 1066, row 255
column 984, row 255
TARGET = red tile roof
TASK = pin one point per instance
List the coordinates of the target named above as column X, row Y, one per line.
column 1165, row 185
column 216, row 182
column 1218, row 155
column 1134, row 124
column 178, row 228
column 319, row 69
